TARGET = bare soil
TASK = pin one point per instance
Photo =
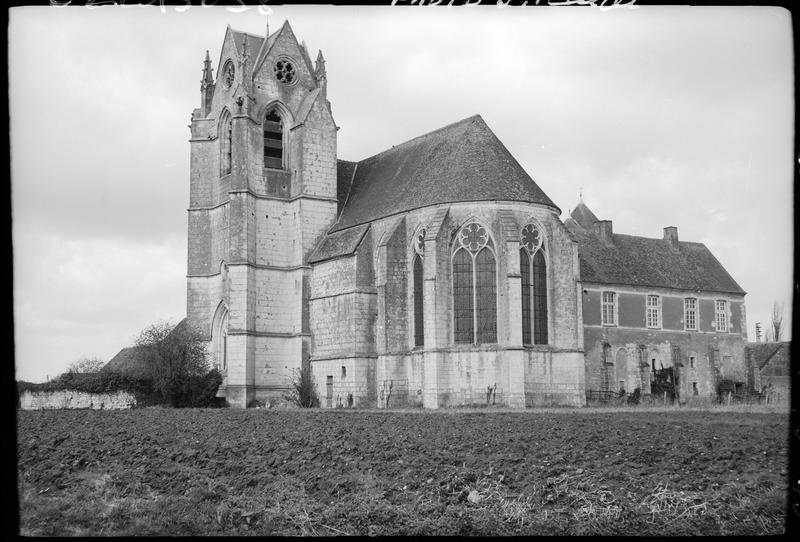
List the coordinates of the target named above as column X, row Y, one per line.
column 157, row 471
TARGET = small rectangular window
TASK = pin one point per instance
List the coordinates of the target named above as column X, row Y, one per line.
column 722, row 316
column 695, row 391
column 690, row 314
column 609, row 308
column 653, row 311
column 344, row 371
column 691, row 362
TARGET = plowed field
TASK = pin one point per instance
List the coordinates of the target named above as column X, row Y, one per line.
column 158, row 471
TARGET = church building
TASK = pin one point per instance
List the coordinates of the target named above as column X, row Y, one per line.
column 434, row 274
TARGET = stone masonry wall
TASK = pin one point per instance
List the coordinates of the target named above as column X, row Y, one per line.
column 702, row 356
column 46, row 400
column 450, row 374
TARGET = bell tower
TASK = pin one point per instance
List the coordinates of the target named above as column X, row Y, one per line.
column 262, row 192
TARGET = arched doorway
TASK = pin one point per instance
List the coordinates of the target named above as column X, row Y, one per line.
column 219, row 339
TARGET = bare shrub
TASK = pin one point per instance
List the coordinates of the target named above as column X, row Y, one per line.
column 304, row 389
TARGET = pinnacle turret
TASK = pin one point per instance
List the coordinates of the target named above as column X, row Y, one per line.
column 206, row 86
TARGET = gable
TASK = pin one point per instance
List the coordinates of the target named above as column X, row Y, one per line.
column 283, row 44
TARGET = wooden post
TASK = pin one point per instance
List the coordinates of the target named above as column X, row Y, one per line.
column 665, row 398
column 729, row 398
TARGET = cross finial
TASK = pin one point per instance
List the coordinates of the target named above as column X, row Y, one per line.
column 267, row 25
column 580, row 194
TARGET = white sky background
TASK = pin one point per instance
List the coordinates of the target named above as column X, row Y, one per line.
column 663, row 115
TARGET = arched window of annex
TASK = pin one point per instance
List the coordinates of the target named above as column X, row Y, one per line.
column 533, row 268
column 225, row 148
column 219, row 337
column 418, row 245
column 275, row 124
column 474, row 272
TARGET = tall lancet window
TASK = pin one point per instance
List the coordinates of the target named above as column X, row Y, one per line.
column 533, row 268
column 419, row 254
column 474, row 286
column 225, row 134
column 273, row 140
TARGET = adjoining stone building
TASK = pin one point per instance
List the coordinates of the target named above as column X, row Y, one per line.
column 436, row 273
column 651, row 305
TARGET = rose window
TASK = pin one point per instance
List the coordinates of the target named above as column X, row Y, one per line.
column 285, row 72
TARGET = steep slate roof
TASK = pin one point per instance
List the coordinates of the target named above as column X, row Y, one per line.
column 583, row 216
column 340, row 243
column 642, row 261
column 129, row 360
column 463, row 161
column 344, row 177
column 762, row 353
column 253, row 42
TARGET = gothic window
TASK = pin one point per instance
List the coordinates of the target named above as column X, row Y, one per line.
column 690, row 313
column 419, row 328
column 653, row 311
column 721, row 316
column 608, row 304
column 225, row 136
column 474, row 287
column 533, row 267
column 273, row 140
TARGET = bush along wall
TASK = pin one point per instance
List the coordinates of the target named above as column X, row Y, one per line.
column 195, row 391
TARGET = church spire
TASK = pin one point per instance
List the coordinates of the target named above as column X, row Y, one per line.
column 206, row 86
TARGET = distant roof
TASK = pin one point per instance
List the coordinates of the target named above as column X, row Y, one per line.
column 583, row 216
column 130, row 360
column 642, row 261
column 464, row 161
column 776, row 352
column 133, row 359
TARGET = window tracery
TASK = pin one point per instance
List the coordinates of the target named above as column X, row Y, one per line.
column 474, row 286
column 533, row 271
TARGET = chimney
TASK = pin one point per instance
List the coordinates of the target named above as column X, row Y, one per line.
column 671, row 236
column 603, row 229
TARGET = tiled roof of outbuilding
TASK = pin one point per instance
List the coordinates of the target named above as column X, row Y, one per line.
column 642, row 261
column 464, row 161
column 762, row 353
column 129, row 361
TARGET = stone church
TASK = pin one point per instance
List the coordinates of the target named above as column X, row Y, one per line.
column 436, row 273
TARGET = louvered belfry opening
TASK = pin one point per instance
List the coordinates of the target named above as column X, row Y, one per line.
column 273, row 140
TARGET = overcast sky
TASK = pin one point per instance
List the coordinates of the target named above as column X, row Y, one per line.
column 662, row 115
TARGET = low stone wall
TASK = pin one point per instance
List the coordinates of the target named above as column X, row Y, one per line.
column 43, row 400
